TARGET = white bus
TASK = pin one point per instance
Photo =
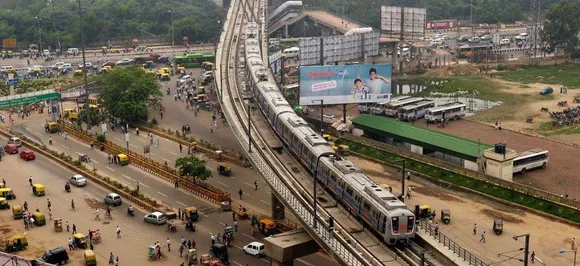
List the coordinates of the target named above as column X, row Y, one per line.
column 391, row 108
column 453, row 110
column 379, row 108
column 530, row 159
column 417, row 110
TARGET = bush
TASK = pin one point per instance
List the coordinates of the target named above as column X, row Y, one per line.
column 101, row 138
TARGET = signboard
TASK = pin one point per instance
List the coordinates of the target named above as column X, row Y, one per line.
column 309, row 51
column 9, row 43
column 345, row 84
column 413, row 21
column 28, row 98
column 12, row 82
column 338, row 48
column 441, row 24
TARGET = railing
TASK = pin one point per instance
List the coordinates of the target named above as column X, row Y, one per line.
column 14, row 260
column 448, row 242
column 169, row 173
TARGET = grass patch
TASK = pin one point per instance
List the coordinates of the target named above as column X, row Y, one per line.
column 467, row 182
column 563, row 74
column 548, row 129
column 481, row 85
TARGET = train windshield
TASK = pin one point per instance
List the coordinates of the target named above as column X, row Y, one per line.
column 395, row 223
column 410, row 224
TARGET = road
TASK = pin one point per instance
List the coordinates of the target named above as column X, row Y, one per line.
column 164, row 191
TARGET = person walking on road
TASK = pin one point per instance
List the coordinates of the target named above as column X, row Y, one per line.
column 533, row 257
column 255, row 184
column 241, row 193
column 573, row 243
column 72, row 204
column 67, row 227
column 212, row 239
column 168, row 244
column 74, row 231
column 180, row 148
column 482, row 237
column 49, row 140
column 48, row 204
column 111, row 258
column 30, row 180
column 236, row 226
column 118, row 231
column 181, row 251
column 474, row 229
column 97, row 214
column 157, row 143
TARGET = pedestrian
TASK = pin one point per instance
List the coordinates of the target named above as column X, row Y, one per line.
column 111, row 258
column 181, row 251
column 219, row 238
column 74, row 229
column 180, row 148
column 158, row 143
column 224, row 236
column 482, row 237
column 499, row 127
column 233, row 215
column 49, row 140
column 212, row 239
column 31, row 223
column 50, row 215
column 67, row 227
column 179, row 215
column 72, row 204
column 533, row 257
column 70, row 244
column 189, row 244
column 48, row 203
column 409, row 192
column 168, row 244
column 474, row 229
column 97, row 214
column 573, row 242
column 236, row 226
column 176, row 181
column 91, row 245
column 241, row 193
column 3, row 182
column 255, row 184
column 30, row 180
column 193, row 243
column 26, row 203
column 436, row 228
column 211, row 128
column 118, row 232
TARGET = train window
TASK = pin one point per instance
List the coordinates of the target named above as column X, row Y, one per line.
column 395, row 224
column 333, row 178
column 366, row 205
column 349, row 191
column 384, row 225
column 410, row 223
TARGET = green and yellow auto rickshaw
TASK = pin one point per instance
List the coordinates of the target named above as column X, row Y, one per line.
column 90, row 258
column 165, row 77
column 79, row 240
column 123, row 159
column 191, row 214
column 425, row 211
column 7, row 193
column 39, row 219
column 38, row 189
column 17, row 211
column 446, row 216
column 14, row 243
column 53, row 127
column 4, row 203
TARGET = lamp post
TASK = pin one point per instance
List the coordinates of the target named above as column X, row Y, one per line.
column 39, row 35
column 403, row 170
column 172, row 31
column 526, row 247
column 249, row 127
column 321, row 115
column 87, row 107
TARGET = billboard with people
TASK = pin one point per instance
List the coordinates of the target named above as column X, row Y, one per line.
column 345, row 84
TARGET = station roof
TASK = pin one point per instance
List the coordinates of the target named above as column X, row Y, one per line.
column 424, row 137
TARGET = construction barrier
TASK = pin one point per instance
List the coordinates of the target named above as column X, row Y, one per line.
column 166, row 172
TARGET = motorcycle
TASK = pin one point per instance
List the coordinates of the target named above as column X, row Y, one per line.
column 131, row 212
column 67, row 187
column 171, row 228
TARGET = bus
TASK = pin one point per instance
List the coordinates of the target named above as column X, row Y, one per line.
column 453, row 110
column 391, row 108
column 379, row 108
column 529, row 160
column 193, row 60
column 417, row 110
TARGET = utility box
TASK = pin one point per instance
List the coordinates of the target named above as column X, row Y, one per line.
column 499, row 162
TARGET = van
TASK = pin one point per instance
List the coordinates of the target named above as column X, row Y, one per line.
column 72, row 51
column 273, row 42
column 504, row 42
column 254, row 249
column 291, row 52
column 57, row 256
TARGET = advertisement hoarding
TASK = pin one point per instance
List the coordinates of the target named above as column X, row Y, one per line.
column 441, row 24
column 9, row 43
column 339, row 48
column 413, row 21
column 345, row 84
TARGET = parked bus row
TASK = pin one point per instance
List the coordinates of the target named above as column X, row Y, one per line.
column 407, row 108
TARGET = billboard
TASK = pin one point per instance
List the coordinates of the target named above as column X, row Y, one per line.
column 338, row 48
column 413, row 21
column 441, row 24
column 345, row 84
column 9, row 43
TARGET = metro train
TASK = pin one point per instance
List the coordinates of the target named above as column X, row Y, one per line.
column 377, row 207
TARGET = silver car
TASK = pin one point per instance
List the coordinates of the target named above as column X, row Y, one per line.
column 156, row 218
column 113, row 199
column 78, row 180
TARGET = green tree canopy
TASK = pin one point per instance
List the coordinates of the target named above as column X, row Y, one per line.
column 192, row 166
column 561, row 27
column 128, row 92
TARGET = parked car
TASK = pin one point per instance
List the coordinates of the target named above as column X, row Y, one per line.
column 55, row 256
column 57, row 65
column 88, row 65
column 110, row 63
column 474, row 40
column 78, row 180
column 7, row 69
column 485, row 37
column 15, row 140
column 155, row 218
column 255, row 249
column 27, row 154
column 504, row 42
column 72, row 51
column 66, row 67
column 113, row 199
column 125, row 61
column 546, row 90
column 463, row 39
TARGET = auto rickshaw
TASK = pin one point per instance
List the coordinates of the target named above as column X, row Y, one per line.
column 4, row 203
column 79, row 240
column 204, row 259
column 7, row 193
column 229, row 231
column 123, row 159
column 39, row 219
column 267, row 227
column 242, row 214
column 208, row 66
column 38, row 189
column 498, row 226
column 446, row 216
column 218, row 250
column 425, row 211
column 14, row 243
column 17, row 211
column 165, row 77
column 53, row 127
column 58, row 225
column 180, row 69
column 78, row 72
column 90, row 258
column 96, row 235
column 191, row 214
column 224, row 170
column 191, row 257
column 165, row 70
column 71, row 114
column 387, row 187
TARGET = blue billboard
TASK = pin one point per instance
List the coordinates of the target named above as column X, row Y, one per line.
column 345, row 84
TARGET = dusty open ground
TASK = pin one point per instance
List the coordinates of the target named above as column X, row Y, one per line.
column 547, row 237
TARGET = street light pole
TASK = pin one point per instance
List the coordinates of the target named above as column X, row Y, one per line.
column 526, row 247
column 87, row 106
column 321, row 115
column 172, row 31
column 249, row 128
column 39, row 35
column 57, row 44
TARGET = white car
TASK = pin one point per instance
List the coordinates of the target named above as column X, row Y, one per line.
column 486, row 37
column 7, row 69
column 503, row 42
column 78, row 180
column 155, row 218
column 57, row 65
column 15, row 140
column 72, row 51
column 125, row 61
column 46, row 52
column 66, row 67
column 255, row 249
column 87, row 65
column 474, row 40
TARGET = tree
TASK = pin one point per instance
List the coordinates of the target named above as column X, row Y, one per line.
column 128, row 92
column 192, row 166
column 561, row 27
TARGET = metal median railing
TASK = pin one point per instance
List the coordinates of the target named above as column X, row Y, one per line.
column 449, row 243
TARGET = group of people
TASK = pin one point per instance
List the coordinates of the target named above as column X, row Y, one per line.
column 189, row 244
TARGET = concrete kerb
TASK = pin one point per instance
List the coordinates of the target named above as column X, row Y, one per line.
column 93, row 177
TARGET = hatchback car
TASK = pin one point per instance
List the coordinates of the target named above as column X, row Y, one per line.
column 55, row 256
column 11, row 149
column 113, row 199
column 254, row 249
column 546, row 90
column 27, row 154
column 156, row 218
column 78, row 180
column 15, row 140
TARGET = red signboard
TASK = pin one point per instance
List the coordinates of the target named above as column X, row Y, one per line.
column 437, row 25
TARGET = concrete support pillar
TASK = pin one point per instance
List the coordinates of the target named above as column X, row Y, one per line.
column 285, row 31
column 277, row 209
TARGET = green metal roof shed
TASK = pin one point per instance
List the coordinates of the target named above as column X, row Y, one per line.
column 420, row 136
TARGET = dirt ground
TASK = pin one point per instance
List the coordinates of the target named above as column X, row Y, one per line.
column 547, row 237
